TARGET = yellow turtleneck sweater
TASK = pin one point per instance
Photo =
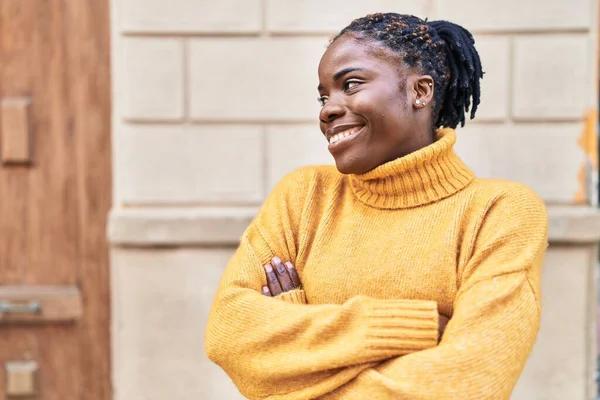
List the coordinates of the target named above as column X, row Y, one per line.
column 378, row 255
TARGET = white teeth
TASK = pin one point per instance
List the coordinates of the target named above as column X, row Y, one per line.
column 339, row 136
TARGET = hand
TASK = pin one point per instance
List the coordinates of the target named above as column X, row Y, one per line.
column 443, row 321
column 280, row 278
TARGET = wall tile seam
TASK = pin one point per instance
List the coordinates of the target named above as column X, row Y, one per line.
column 150, row 204
column 265, row 161
column 186, row 79
column 313, row 124
column 263, row 17
column 320, row 34
column 510, row 112
column 276, row 123
column 241, row 122
column 595, row 46
column 184, row 34
column 223, row 122
column 310, row 33
column 521, row 120
column 475, row 32
column 120, row 230
column 592, row 326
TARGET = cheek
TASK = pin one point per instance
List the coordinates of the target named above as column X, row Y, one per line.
column 372, row 109
column 389, row 117
column 383, row 107
column 398, row 104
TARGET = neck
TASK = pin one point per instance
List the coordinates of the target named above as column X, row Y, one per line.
column 424, row 176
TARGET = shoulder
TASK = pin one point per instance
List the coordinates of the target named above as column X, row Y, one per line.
column 507, row 200
column 282, row 212
column 293, row 190
column 305, row 178
column 507, row 192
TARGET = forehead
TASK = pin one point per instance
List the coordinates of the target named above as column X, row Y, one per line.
column 350, row 51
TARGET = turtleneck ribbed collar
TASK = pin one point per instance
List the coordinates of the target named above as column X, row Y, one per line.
column 424, row 176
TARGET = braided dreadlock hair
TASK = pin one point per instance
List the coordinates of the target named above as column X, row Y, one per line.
column 441, row 49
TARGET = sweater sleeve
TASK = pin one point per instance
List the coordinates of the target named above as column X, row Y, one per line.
column 495, row 321
column 274, row 349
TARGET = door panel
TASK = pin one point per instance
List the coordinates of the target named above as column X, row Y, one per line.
column 55, row 183
column 15, row 117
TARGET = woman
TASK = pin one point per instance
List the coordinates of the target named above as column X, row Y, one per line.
column 383, row 249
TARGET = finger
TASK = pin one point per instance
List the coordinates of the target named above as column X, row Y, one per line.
column 293, row 274
column 272, row 281
column 282, row 274
column 443, row 322
column 266, row 291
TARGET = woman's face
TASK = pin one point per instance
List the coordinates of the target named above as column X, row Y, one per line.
column 369, row 115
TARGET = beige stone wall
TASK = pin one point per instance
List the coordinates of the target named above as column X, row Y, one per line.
column 214, row 101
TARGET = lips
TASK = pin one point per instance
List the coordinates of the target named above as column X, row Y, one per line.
column 340, row 132
column 340, row 141
column 339, row 136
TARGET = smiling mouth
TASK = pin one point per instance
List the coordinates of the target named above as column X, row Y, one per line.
column 345, row 135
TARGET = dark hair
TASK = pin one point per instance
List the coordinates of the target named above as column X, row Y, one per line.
column 441, row 49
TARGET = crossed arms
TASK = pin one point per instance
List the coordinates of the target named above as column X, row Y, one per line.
column 282, row 348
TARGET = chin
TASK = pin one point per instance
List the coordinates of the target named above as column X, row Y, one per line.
column 343, row 169
column 352, row 166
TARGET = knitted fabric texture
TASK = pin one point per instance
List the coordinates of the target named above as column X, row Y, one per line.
column 379, row 255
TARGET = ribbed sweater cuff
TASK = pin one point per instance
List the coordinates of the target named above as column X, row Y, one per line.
column 296, row 296
column 401, row 326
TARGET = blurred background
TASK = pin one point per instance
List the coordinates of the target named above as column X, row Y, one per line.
column 139, row 137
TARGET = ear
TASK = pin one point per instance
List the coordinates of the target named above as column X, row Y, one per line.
column 422, row 91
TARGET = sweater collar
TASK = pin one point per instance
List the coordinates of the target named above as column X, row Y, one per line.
column 424, row 176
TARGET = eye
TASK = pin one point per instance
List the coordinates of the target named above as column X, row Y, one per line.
column 351, row 84
column 322, row 100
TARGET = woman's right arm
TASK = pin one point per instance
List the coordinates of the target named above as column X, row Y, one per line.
column 274, row 349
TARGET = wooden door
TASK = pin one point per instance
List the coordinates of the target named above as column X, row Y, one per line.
column 55, row 192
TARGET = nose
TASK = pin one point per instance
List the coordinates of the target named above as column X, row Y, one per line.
column 331, row 111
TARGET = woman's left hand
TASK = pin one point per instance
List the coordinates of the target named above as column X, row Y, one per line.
column 280, row 278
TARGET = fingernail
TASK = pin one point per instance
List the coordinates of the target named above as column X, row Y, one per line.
column 265, row 290
column 268, row 268
column 289, row 265
column 279, row 265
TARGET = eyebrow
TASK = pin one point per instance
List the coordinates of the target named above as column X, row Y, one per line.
column 338, row 75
